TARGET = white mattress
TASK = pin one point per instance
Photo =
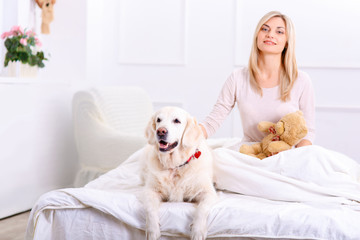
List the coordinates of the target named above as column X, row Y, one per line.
column 108, row 208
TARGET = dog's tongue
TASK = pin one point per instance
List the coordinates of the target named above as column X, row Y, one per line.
column 162, row 145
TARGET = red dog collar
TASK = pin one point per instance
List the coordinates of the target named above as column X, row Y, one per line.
column 195, row 155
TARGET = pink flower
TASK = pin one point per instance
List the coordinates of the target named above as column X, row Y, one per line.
column 23, row 41
column 5, row 35
column 30, row 33
column 17, row 29
column 14, row 33
column 37, row 42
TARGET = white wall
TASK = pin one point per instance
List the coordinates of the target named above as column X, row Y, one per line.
column 38, row 152
column 200, row 50
column 180, row 52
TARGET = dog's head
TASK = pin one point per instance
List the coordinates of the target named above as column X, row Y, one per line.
column 172, row 127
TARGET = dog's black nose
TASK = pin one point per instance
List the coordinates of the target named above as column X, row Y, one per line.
column 161, row 132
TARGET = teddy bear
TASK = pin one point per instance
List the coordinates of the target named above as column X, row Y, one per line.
column 284, row 134
column 47, row 14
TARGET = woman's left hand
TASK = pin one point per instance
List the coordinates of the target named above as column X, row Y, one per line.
column 303, row 143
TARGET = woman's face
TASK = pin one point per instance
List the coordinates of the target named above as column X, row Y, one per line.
column 272, row 37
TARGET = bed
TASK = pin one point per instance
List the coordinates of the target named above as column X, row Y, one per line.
column 305, row 193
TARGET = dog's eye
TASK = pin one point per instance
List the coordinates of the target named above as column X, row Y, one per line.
column 176, row 120
column 158, row 120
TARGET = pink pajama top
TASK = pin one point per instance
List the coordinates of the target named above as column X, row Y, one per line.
column 255, row 108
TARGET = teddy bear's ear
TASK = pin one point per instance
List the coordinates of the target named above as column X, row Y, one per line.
column 279, row 127
column 264, row 126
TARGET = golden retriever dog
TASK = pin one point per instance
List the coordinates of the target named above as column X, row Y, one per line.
column 178, row 167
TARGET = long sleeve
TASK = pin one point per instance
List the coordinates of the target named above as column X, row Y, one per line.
column 307, row 106
column 225, row 103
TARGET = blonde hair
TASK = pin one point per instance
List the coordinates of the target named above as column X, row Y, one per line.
column 289, row 70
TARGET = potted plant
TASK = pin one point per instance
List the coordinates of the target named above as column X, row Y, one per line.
column 22, row 47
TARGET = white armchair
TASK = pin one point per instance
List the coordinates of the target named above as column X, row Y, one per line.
column 109, row 125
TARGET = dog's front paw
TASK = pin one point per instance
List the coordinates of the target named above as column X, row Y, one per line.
column 153, row 235
column 198, row 233
column 198, row 236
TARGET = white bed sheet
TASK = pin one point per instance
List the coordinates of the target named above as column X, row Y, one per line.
column 107, row 208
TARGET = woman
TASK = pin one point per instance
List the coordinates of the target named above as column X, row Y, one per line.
column 270, row 87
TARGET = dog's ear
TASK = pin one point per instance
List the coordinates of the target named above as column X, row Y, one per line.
column 150, row 131
column 192, row 133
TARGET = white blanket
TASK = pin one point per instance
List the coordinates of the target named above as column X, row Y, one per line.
column 305, row 193
column 308, row 174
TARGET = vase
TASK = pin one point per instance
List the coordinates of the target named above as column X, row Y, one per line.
column 18, row 69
